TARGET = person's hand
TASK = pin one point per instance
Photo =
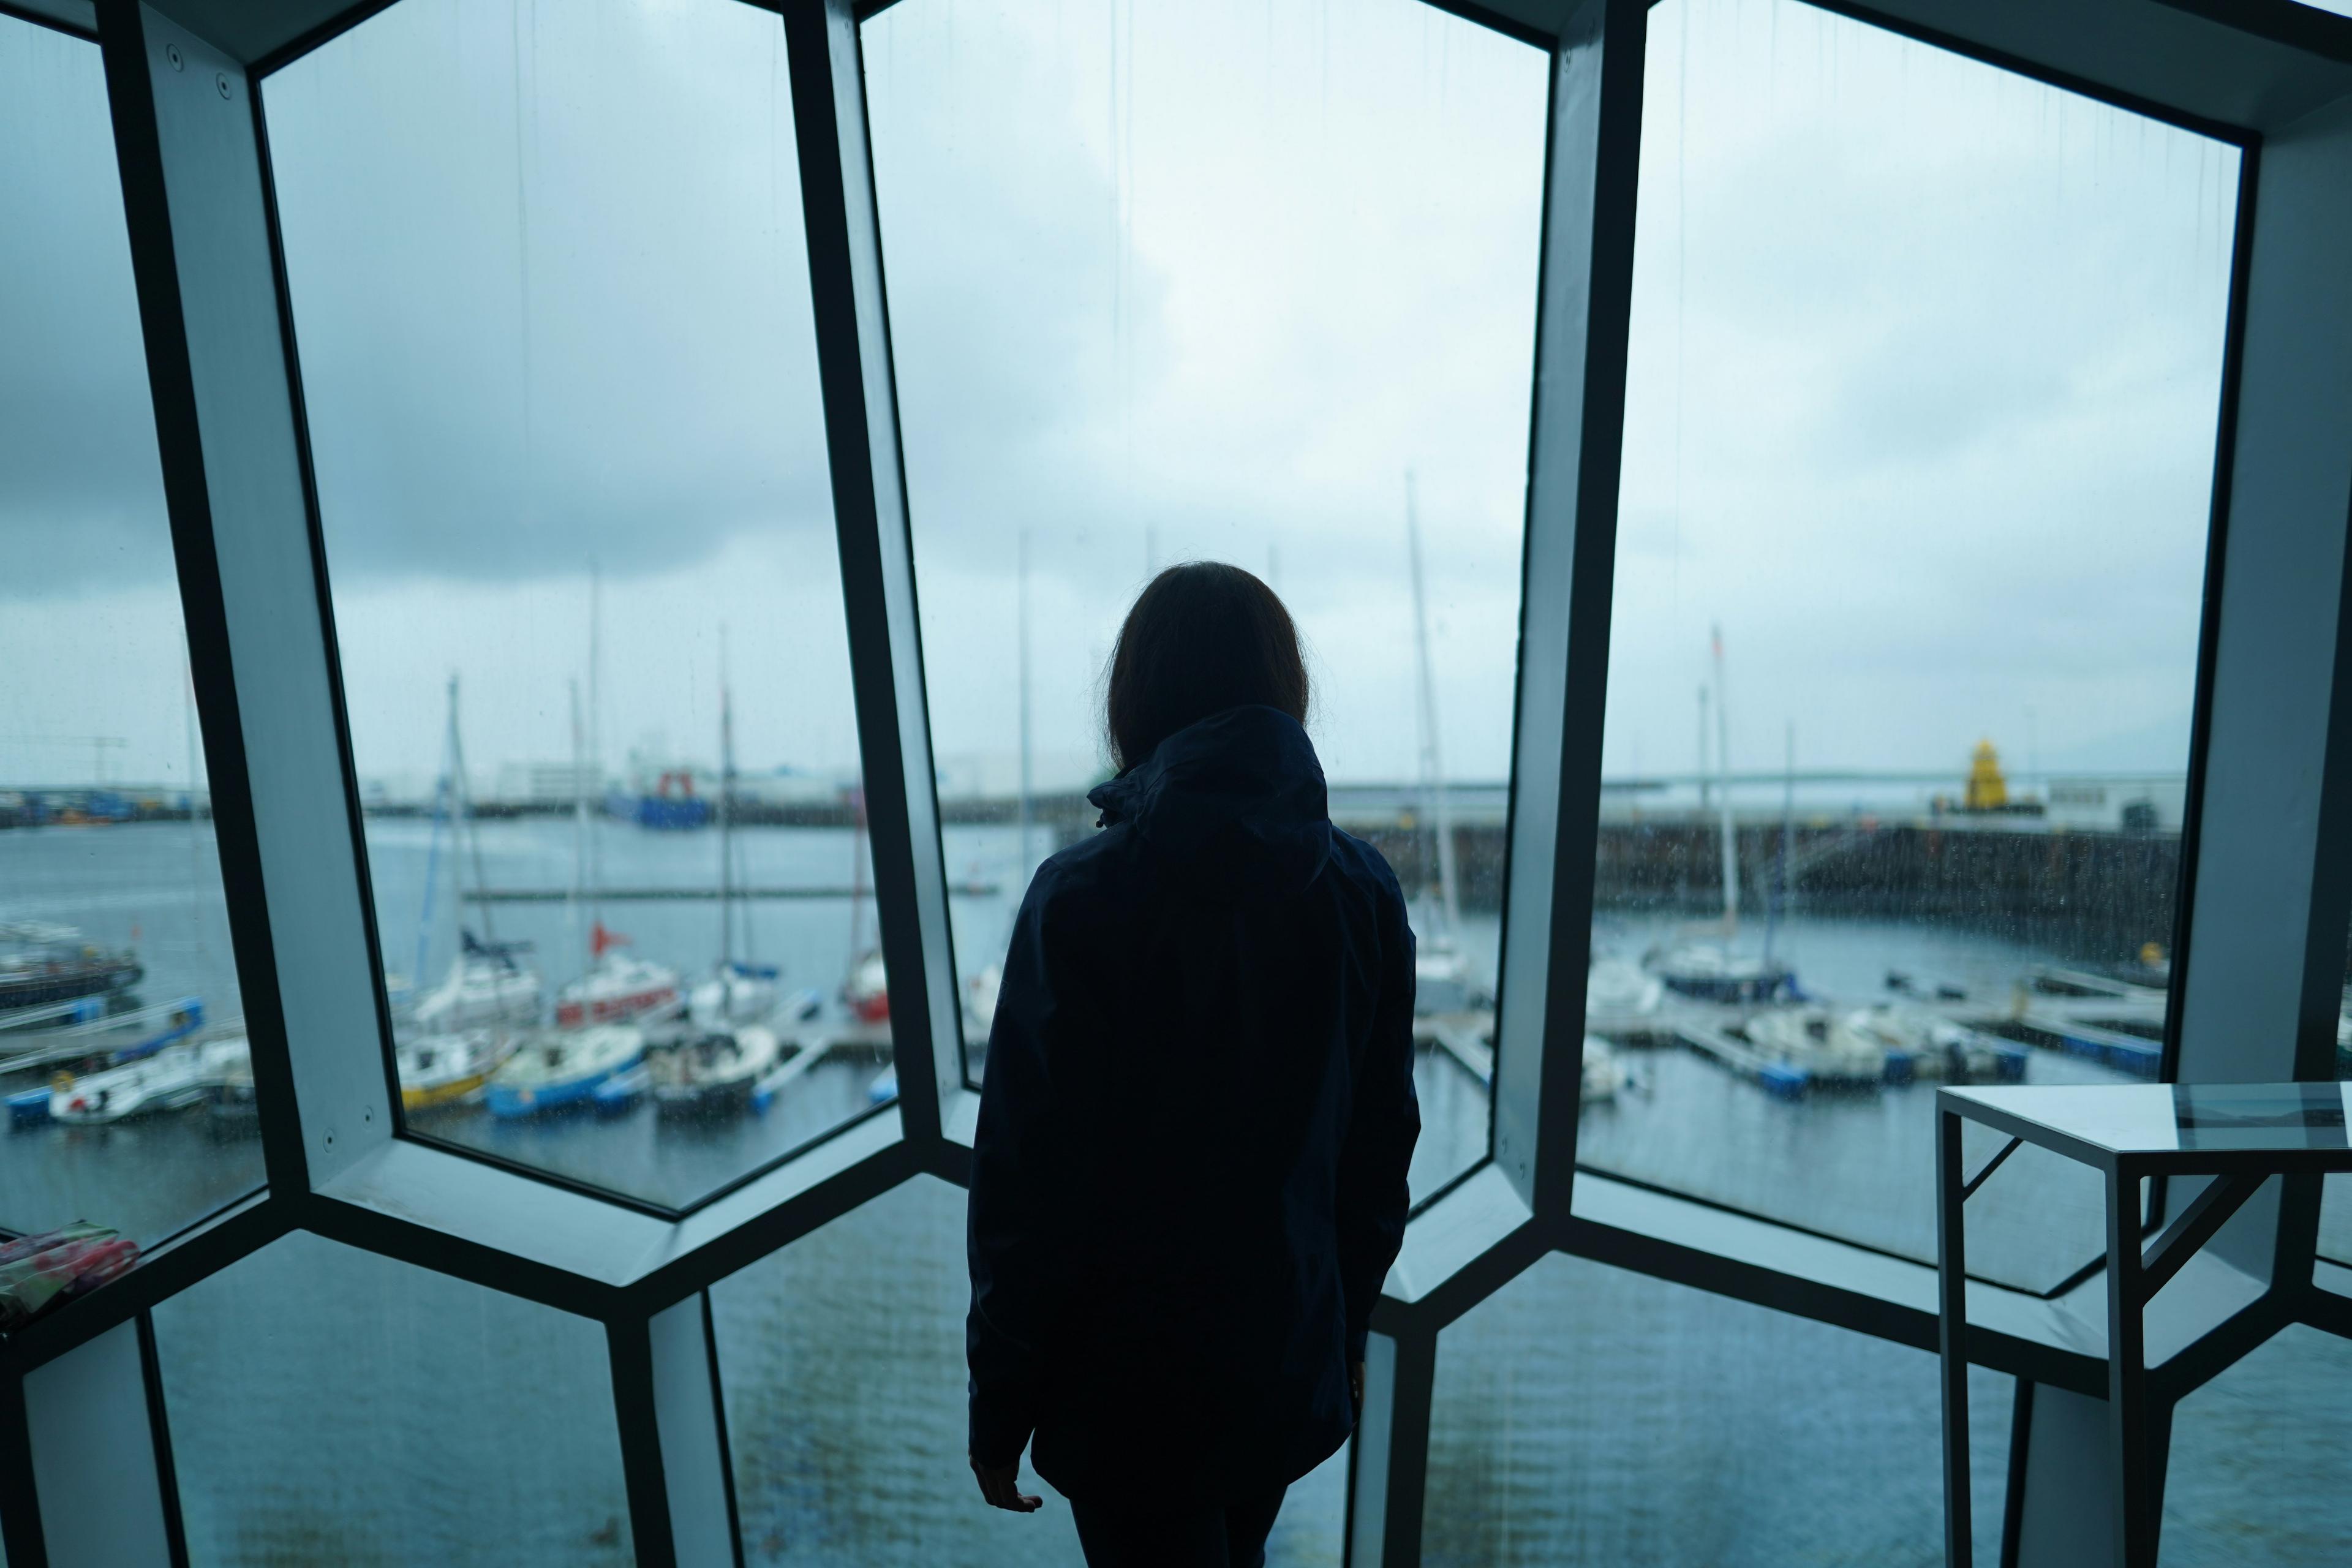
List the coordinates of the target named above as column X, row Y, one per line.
column 1001, row 1485
column 1356, row 1386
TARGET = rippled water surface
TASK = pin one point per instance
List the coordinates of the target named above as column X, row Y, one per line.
column 328, row 1406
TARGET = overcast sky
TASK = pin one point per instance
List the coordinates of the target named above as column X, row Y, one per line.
column 1924, row 367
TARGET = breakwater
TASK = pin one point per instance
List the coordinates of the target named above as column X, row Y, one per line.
column 2090, row 894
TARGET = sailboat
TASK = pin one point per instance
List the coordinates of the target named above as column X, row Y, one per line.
column 619, row 987
column 486, row 987
column 1709, row 971
column 1446, row 982
column 735, row 991
column 707, row 1074
column 561, row 1068
column 444, row 1068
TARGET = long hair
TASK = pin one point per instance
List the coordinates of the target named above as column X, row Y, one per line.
column 1203, row 638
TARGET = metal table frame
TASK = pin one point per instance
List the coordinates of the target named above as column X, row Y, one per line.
column 2133, row 1277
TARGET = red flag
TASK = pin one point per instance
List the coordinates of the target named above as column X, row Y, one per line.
column 599, row 939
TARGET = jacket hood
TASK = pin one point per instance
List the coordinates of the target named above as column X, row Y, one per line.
column 1234, row 803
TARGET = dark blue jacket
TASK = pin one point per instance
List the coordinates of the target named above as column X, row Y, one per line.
column 1189, row 1178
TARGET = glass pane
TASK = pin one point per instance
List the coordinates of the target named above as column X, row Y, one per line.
column 1586, row 1415
column 329, row 1405
column 1232, row 280
column 2258, row 1467
column 122, row 1040
column 551, row 283
column 1911, row 553
column 843, row 1360
column 2336, row 1204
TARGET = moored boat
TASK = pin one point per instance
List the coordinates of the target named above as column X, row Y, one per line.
column 484, row 989
column 1445, row 981
column 618, row 988
column 866, row 991
column 1604, row 1076
column 561, row 1068
column 443, row 1069
column 173, row 1079
column 1707, row 973
column 43, row 962
column 1808, row 1036
column 734, row 993
column 705, row 1074
column 1619, row 987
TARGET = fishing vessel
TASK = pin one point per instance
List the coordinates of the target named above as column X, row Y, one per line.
column 43, row 962
column 561, row 1068
column 443, row 1069
column 705, row 1074
column 171, row 1079
column 486, row 988
column 618, row 988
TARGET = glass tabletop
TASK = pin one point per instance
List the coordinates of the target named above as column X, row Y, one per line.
column 2152, row 1118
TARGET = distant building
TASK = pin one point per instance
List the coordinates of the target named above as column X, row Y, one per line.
column 2151, row 804
column 545, row 784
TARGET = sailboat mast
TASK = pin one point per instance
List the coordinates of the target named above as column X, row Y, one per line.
column 1027, row 779
column 595, row 737
column 579, row 817
column 464, row 798
column 1433, row 764
column 1722, row 766
column 726, row 811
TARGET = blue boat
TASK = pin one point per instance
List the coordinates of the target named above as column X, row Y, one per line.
column 562, row 1069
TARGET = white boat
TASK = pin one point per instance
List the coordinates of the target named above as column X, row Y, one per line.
column 1808, row 1036
column 485, row 989
column 175, row 1077
column 439, row 1069
column 733, row 992
column 1710, row 972
column 1919, row 1044
column 1618, row 986
column 561, row 1068
column 1604, row 1077
column 618, row 988
column 866, row 991
column 1445, row 982
column 980, row 994
column 709, row 1073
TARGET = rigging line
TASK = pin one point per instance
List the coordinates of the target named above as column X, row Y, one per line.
column 1682, row 249
column 522, row 262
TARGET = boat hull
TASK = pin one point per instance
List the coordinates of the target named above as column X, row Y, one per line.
column 428, row 1096
column 41, row 990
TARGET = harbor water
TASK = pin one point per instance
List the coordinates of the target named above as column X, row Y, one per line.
column 1583, row 1415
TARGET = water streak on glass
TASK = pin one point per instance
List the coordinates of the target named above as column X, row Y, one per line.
column 1926, row 364
column 1583, row 1414
column 328, row 1406
column 1158, row 298
column 551, row 284
column 843, row 1362
column 123, row 1062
